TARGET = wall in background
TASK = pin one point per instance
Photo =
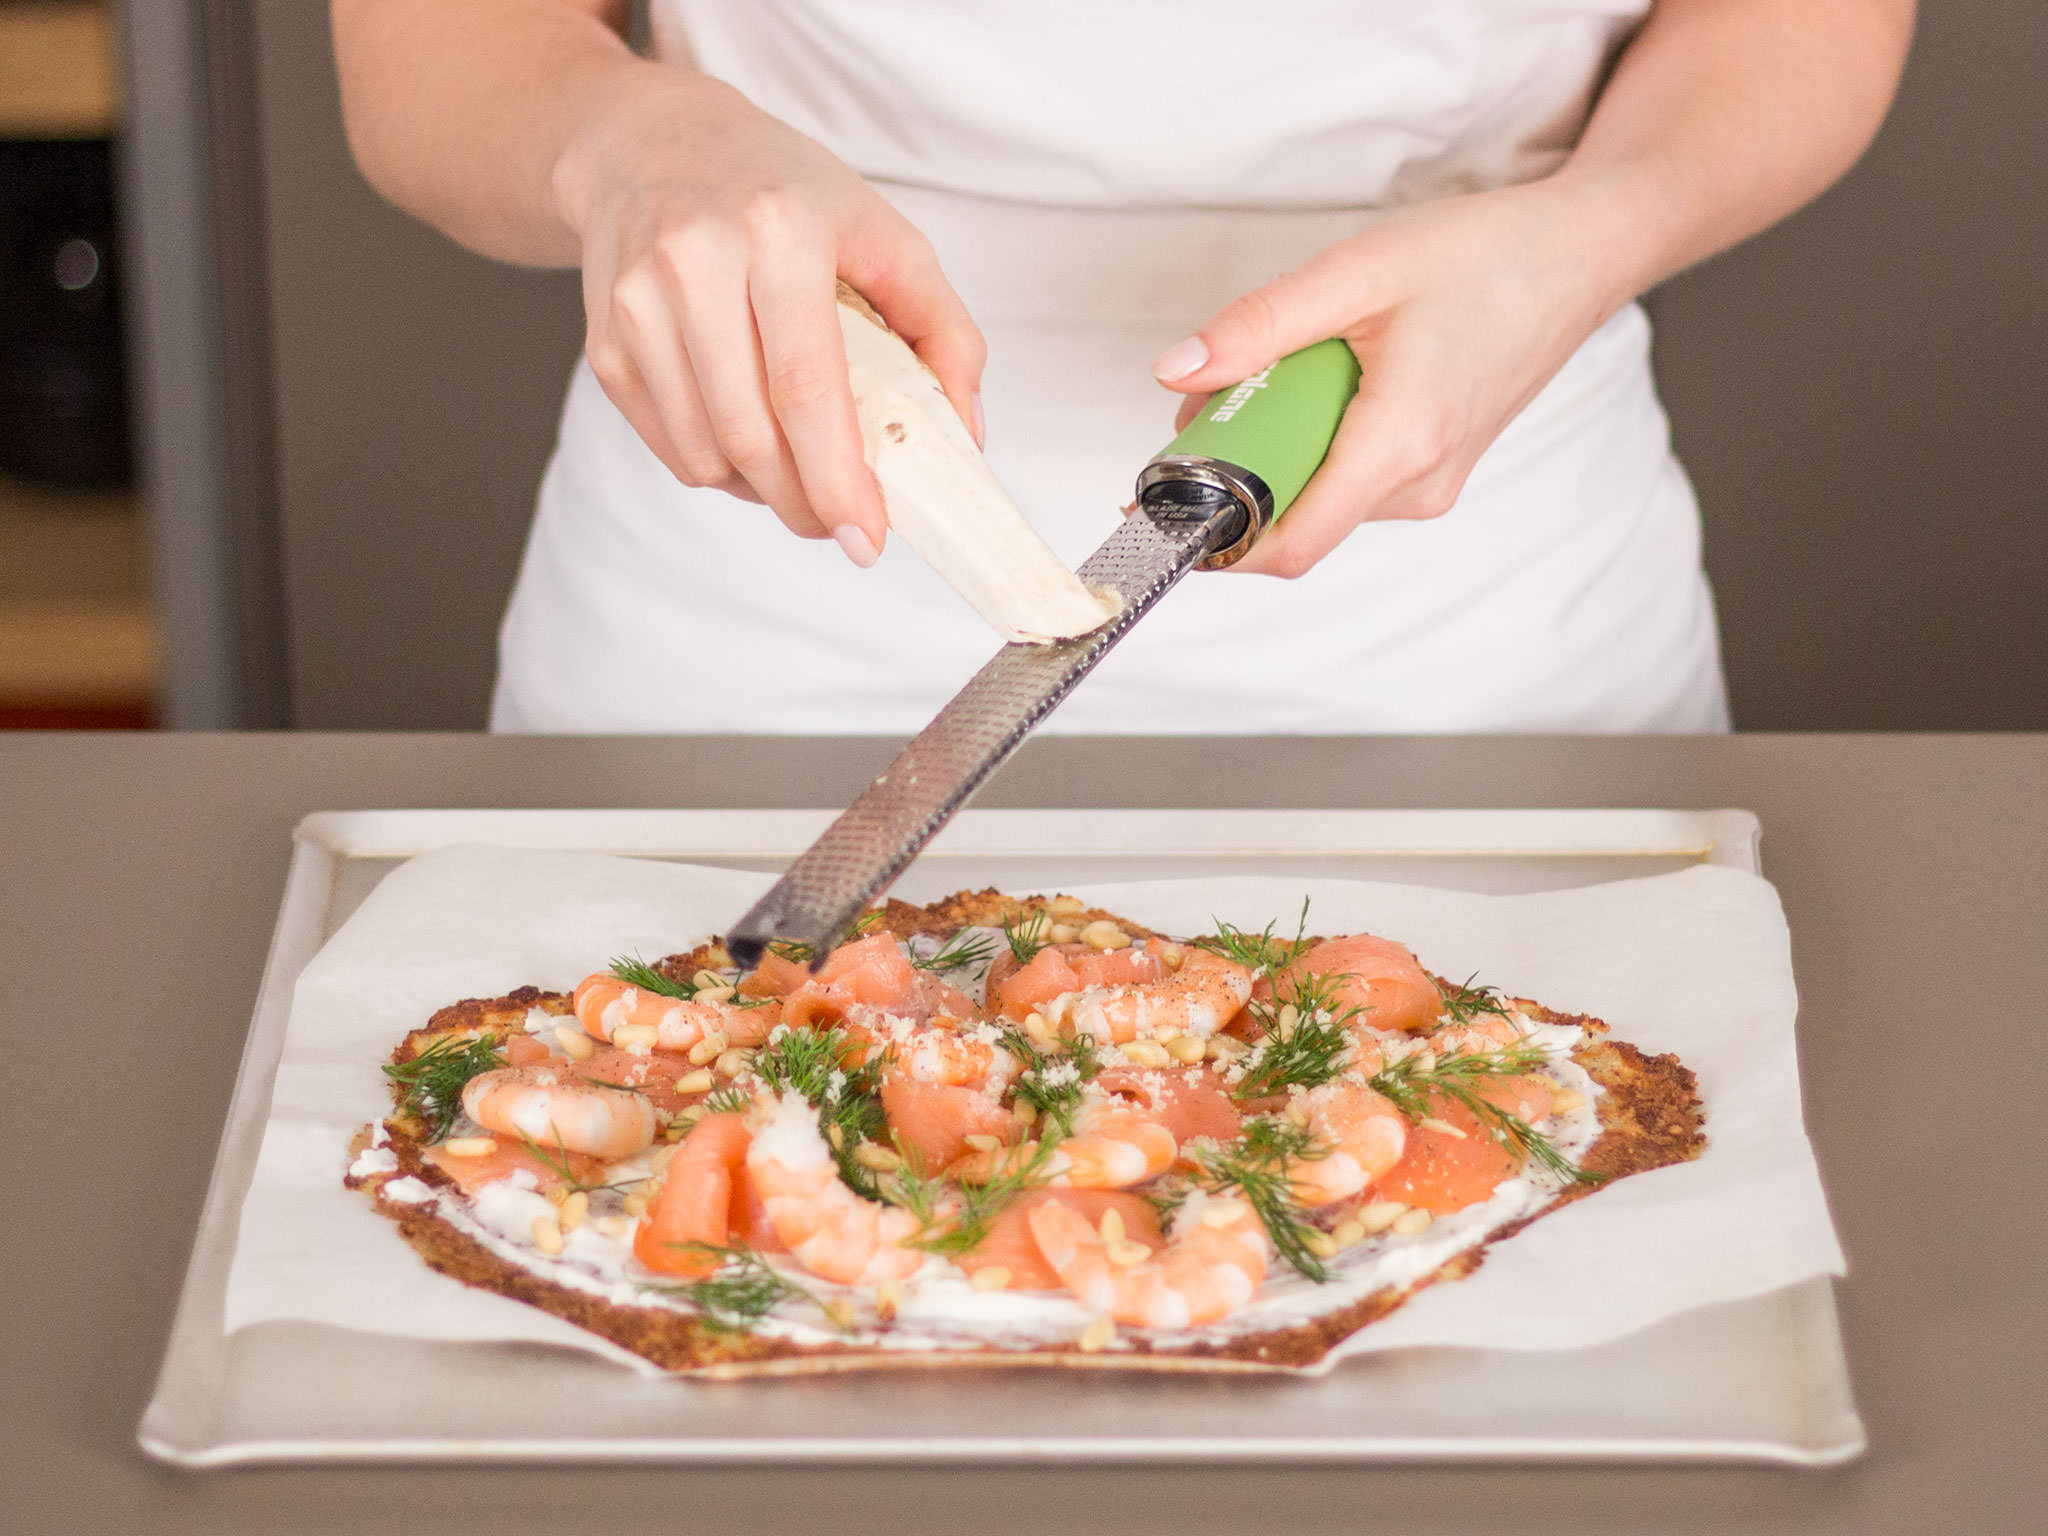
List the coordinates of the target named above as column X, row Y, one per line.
column 1860, row 396
column 416, row 391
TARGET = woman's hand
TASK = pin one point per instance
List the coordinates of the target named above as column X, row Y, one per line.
column 1720, row 117
column 712, row 235
column 1459, row 311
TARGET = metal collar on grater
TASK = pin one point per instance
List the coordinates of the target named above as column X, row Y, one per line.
column 837, row 877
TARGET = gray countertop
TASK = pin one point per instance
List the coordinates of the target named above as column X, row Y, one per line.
column 139, row 877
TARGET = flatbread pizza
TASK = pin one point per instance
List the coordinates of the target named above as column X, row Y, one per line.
column 1003, row 1130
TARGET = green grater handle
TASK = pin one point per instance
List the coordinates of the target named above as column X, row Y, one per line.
column 1277, row 424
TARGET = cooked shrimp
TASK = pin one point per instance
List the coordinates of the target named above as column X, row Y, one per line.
column 553, row 1108
column 1362, row 1135
column 1198, row 998
column 1380, row 978
column 1211, row 1265
column 694, row 1209
column 1113, row 1147
column 604, row 1004
column 830, row 1230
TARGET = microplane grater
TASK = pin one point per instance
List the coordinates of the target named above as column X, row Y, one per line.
column 833, row 881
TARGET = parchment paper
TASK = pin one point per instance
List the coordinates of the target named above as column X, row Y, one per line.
column 1697, row 962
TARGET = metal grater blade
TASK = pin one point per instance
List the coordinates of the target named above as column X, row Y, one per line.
column 837, row 877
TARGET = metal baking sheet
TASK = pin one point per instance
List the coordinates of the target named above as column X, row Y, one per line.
column 1762, row 1380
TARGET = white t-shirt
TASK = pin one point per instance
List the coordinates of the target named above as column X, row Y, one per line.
column 1099, row 177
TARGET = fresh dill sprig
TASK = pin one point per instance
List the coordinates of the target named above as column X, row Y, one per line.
column 742, row 1291
column 1304, row 1053
column 434, row 1079
column 961, row 1226
column 1463, row 1004
column 635, row 972
column 1052, row 1084
column 964, row 950
column 1409, row 1085
column 1256, row 952
column 1254, row 1168
column 726, row 1099
column 1026, row 935
column 800, row 953
column 812, row 1062
column 557, row 1162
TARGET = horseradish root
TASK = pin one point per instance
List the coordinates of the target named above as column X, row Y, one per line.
column 943, row 499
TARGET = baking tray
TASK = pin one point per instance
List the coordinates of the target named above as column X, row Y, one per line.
column 1762, row 1380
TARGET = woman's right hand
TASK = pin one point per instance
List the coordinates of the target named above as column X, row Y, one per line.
column 712, row 235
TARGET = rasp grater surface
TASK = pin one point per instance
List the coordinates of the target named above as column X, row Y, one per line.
column 862, row 852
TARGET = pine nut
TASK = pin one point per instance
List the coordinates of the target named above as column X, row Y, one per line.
column 555, row 1194
column 1026, row 1113
column 1380, row 1215
column 547, row 1234
column 1222, row 1213
column 990, row 1277
column 575, row 1044
column 1564, row 1100
column 1146, row 1053
column 1225, row 1048
column 1103, row 934
column 1296, row 1114
column 681, row 1124
column 717, row 956
column 660, row 1158
column 470, row 1146
column 617, row 1228
column 573, row 1210
column 1411, row 1222
column 1441, row 1127
column 1112, row 1226
column 836, row 1134
column 710, row 1048
column 1172, row 958
column 888, row 1298
column 637, row 1038
column 1286, row 1021
column 1319, row 1243
column 1348, row 1234
column 721, row 993
column 1425, row 1061
column 635, row 1203
column 981, row 1141
column 1063, row 933
column 881, row 1159
column 1187, row 1049
column 695, row 1082
column 732, row 1063
column 1067, row 906
column 1126, row 1253
column 1097, row 1336
column 704, row 980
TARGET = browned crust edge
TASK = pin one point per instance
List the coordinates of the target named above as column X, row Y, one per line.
column 1649, row 1113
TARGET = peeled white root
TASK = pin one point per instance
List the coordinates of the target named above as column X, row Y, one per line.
column 944, row 500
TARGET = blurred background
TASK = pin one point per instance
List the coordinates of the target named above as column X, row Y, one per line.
column 268, row 448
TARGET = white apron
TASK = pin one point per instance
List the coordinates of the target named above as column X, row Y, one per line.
column 1041, row 149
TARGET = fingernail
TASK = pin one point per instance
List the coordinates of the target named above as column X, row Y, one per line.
column 1180, row 360
column 980, row 421
column 860, row 549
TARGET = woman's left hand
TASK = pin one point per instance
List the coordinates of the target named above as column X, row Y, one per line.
column 1460, row 311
